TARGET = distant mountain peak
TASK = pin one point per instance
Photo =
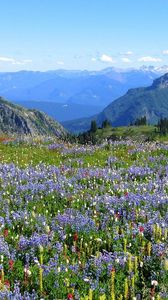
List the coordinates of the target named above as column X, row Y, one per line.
column 161, row 82
column 160, row 70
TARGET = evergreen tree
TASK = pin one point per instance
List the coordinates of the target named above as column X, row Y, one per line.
column 163, row 126
column 105, row 124
column 93, row 126
column 140, row 121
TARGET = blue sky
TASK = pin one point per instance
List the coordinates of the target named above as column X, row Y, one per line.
column 82, row 34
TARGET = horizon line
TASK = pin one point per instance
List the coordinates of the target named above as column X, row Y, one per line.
column 87, row 70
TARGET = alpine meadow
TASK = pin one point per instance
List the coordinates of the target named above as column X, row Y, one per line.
column 83, row 150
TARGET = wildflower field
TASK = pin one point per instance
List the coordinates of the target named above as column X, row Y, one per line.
column 83, row 222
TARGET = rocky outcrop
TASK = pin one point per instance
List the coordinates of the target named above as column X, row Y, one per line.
column 15, row 119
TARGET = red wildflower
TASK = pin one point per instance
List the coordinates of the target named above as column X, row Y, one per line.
column 6, row 232
column 126, row 194
column 75, row 237
column 70, row 296
column 7, row 283
column 11, row 263
column 141, row 229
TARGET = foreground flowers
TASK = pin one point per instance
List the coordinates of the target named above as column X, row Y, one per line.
column 74, row 231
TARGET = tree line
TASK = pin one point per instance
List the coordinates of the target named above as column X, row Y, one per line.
column 163, row 126
column 91, row 136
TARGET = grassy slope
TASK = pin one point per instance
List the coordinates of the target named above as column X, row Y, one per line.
column 133, row 132
column 24, row 154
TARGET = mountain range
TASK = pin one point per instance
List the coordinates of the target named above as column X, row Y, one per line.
column 151, row 102
column 15, row 119
column 67, row 95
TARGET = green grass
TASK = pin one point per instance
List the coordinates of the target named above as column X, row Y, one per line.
column 133, row 132
column 23, row 155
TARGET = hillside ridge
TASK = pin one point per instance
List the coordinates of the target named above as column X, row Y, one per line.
column 15, row 119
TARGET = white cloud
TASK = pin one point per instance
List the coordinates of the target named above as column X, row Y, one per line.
column 106, row 58
column 126, row 60
column 13, row 61
column 93, row 59
column 60, row 63
column 149, row 59
column 165, row 52
column 7, row 59
column 22, row 62
column 129, row 53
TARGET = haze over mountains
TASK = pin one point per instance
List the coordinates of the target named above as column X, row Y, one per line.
column 151, row 102
column 67, row 95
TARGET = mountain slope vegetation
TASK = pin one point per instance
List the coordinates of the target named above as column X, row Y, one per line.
column 15, row 119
